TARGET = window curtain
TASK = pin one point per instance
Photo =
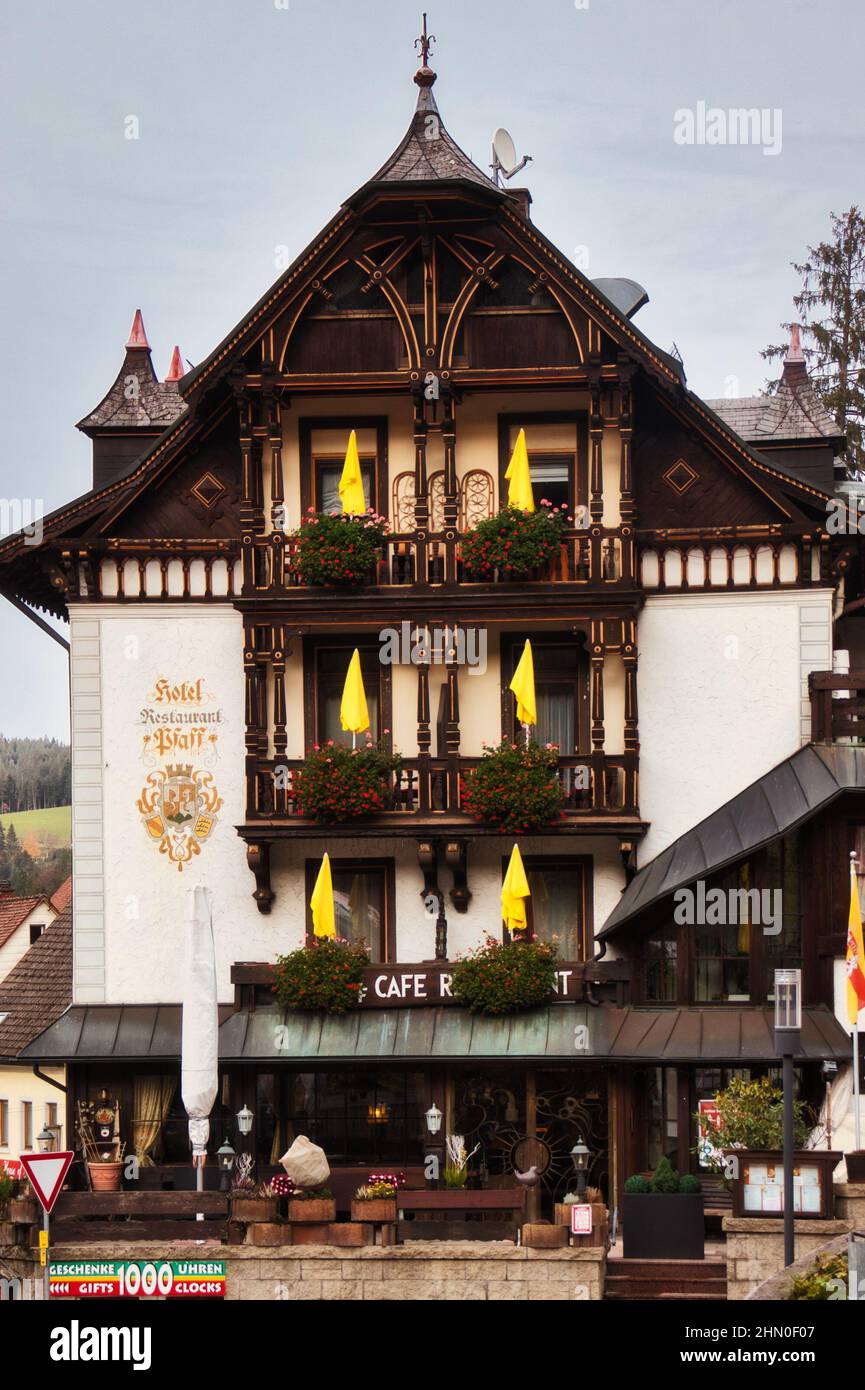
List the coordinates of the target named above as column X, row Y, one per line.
column 556, row 717
column 152, row 1097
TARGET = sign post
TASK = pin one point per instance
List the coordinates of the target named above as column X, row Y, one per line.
column 46, row 1173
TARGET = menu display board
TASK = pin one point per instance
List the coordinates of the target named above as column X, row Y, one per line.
column 763, row 1188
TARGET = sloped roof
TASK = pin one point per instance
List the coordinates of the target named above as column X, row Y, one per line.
column 38, row 989
column 62, row 897
column 776, row 803
column 790, row 414
column 13, row 911
column 137, row 399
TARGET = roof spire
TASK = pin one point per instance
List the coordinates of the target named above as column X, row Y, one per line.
column 795, row 370
column 137, row 335
column 425, row 77
column 177, row 369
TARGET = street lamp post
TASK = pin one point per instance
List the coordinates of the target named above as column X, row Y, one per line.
column 788, row 1028
column 225, row 1157
column 580, row 1159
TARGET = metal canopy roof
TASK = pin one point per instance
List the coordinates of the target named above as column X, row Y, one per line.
column 719, row 1035
column 775, row 804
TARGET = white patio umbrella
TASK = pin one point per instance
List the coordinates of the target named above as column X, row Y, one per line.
column 200, row 1040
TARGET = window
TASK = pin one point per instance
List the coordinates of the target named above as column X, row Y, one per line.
column 660, row 960
column 661, row 1114
column 561, row 691
column 374, row 1119
column 363, row 895
column 328, row 472
column 330, row 670
column 551, row 478
column 4, row 1124
column 557, row 910
column 722, row 951
column 27, row 1125
column 52, row 1122
column 784, row 861
column 558, row 456
column 36, row 930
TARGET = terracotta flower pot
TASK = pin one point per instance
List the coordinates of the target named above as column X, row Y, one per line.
column 105, row 1177
column 381, row 1209
column 251, row 1209
column 314, row 1210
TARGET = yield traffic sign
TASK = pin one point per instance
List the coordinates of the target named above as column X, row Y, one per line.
column 46, row 1173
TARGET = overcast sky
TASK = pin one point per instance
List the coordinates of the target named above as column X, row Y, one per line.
column 257, row 117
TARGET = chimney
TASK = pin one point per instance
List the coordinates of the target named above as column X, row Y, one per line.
column 523, row 199
column 795, row 372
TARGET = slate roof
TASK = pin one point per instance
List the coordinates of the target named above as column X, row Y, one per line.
column 792, row 413
column 39, row 988
column 150, row 403
column 776, row 803
column 427, row 152
column 13, row 911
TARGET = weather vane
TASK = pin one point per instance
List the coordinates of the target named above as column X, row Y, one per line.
column 424, row 45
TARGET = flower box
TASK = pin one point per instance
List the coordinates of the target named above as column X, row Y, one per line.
column 379, row 1209
column 312, row 1210
column 856, row 1165
column 251, row 1209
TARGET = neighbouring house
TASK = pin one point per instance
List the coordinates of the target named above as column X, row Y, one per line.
column 22, row 921
column 685, row 629
column 35, row 993
column 61, row 898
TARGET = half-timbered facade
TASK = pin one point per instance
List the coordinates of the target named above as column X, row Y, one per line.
column 674, row 637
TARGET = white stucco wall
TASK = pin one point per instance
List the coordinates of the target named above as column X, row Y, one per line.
column 18, row 1085
column 19, row 942
column 723, row 697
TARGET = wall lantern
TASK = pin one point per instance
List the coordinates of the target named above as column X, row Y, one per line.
column 433, row 1119
column 45, row 1141
column 788, row 1000
column 378, row 1114
column 225, row 1157
column 580, row 1156
column 244, row 1120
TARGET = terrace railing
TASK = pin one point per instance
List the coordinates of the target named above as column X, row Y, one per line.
column 837, row 706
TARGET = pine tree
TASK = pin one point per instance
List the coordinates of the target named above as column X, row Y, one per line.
column 831, row 306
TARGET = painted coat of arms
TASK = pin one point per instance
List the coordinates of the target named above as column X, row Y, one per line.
column 178, row 810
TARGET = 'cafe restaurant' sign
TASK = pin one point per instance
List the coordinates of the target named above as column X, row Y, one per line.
column 398, row 986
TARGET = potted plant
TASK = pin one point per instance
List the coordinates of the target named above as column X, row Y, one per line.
column 338, row 784
column 514, row 787
column 662, row 1216
column 457, row 1160
column 375, row 1201
column 331, row 550
column 316, row 1207
column 750, row 1127
column 514, row 544
column 505, row 977
column 326, row 975
column 251, row 1202
column 8, row 1188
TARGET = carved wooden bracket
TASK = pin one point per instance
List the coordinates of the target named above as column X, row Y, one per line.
column 258, row 859
column 456, row 858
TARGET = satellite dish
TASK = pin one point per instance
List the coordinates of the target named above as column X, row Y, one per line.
column 505, row 164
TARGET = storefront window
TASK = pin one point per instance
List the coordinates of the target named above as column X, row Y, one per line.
column 662, row 1121
column 490, row 1110
column 660, row 966
column 784, row 862
column 359, row 1117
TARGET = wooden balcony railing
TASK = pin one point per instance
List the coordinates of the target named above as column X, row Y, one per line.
column 837, row 706
column 428, row 789
column 600, row 557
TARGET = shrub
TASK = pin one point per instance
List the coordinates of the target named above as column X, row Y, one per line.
column 317, row 1194
column 690, row 1183
column 821, row 1282
column 514, row 543
column 337, row 783
column 331, row 550
column 515, row 787
column 751, row 1116
column 501, row 978
column 638, row 1183
column 665, row 1178
column 326, row 975
column 8, row 1186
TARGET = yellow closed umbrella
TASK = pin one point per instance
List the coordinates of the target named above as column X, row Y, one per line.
column 523, row 686
column 515, row 890
column 353, row 710
column 351, row 483
column 519, row 477
column 321, row 902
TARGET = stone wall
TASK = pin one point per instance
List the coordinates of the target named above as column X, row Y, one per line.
column 425, row 1270
column 755, row 1248
column 850, row 1203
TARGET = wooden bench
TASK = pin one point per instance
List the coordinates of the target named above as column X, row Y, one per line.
column 106, row 1216
column 449, row 1204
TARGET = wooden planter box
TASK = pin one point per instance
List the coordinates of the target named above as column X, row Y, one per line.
column 251, row 1209
column 663, row 1226
column 319, row 1211
column 562, row 1214
column 538, row 1235
column 856, row 1165
column 380, row 1209
column 751, row 1165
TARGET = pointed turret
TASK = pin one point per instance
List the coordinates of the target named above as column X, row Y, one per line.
column 795, row 372
column 427, row 154
column 134, row 412
column 176, row 370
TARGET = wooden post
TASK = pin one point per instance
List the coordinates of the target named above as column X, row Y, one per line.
column 424, row 734
column 598, row 759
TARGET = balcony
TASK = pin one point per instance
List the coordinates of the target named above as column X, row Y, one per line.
column 837, row 706
column 600, row 790
column 598, row 558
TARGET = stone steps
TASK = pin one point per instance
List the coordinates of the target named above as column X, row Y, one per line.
column 691, row 1280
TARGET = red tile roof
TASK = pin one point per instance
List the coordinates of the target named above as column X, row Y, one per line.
column 13, row 911
column 61, row 899
column 39, row 988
